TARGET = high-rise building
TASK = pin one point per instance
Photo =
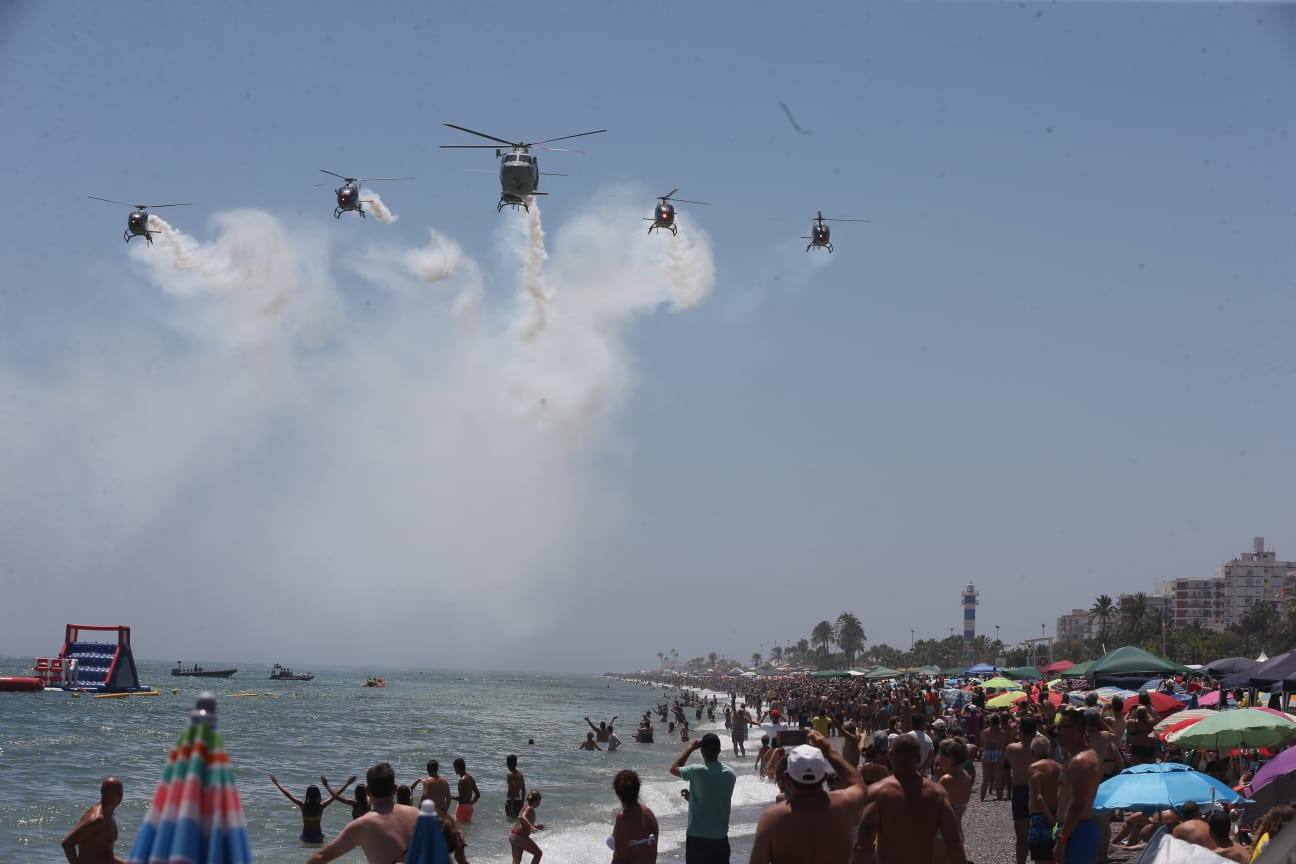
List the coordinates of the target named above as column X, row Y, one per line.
column 970, row 599
column 1076, row 625
column 1253, row 577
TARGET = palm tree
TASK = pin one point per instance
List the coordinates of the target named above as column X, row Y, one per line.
column 1260, row 621
column 756, row 659
column 982, row 648
column 822, row 635
column 674, row 657
column 1104, row 610
column 1134, row 618
column 776, row 653
column 849, row 633
column 711, row 660
column 661, row 660
column 802, row 649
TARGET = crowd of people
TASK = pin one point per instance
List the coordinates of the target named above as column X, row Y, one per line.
column 894, row 787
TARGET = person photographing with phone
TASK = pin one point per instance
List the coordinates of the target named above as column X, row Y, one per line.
column 709, row 795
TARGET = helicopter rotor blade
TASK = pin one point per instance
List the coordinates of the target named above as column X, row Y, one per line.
column 687, row 201
column 383, row 179
column 478, row 134
column 565, row 137
column 553, row 174
column 469, row 146
column 151, row 206
column 669, row 194
column 339, row 176
column 560, row 149
column 827, row 219
column 109, row 201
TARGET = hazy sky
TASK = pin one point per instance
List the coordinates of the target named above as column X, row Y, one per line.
column 1058, row 362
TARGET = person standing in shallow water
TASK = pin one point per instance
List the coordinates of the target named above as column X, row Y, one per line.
column 516, row 788
column 92, row 839
column 312, row 808
column 435, row 787
column 468, row 795
column 634, row 834
column 710, row 794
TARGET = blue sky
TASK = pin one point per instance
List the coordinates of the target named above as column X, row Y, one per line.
column 1056, row 363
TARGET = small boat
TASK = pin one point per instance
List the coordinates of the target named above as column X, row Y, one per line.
column 283, row 673
column 196, row 671
column 375, row 681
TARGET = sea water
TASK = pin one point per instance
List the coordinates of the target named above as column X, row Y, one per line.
column 54, row 749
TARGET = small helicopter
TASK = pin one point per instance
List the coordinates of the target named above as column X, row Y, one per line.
column 348, row 194
column 519, row 171
column 819, row 232
column 664, row 214
column 137, row 221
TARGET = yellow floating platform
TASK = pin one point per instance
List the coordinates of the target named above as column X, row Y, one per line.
column 124, row 695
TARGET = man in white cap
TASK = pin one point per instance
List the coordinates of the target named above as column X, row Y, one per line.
column 812, row 825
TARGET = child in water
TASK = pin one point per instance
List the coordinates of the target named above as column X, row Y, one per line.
column 312, row 810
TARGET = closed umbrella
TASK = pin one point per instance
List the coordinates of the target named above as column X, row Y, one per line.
column 1161, row 785
column 428, row 845
column 1241, row 727
column 196, row 816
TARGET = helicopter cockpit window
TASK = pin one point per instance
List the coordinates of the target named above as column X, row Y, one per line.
column 524, row 159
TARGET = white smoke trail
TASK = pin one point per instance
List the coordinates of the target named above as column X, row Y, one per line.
column 690, row 268
column 372, row 203
column 536, row 316
column 304, row 445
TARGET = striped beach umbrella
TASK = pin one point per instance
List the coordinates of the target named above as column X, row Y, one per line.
column 428, row 845
column 196, row 816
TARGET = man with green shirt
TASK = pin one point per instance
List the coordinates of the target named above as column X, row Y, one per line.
column 711, row 786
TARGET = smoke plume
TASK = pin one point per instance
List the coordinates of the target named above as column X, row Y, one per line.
column 372, row 203
column 284, row 448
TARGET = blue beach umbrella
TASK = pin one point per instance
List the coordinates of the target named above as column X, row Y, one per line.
column 428, row 845
column 1165, row 784
column 196, row 816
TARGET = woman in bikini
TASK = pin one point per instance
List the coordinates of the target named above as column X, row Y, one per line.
column 312, row 809
column 993, row 742
column 520, row 837
column 359, row 804
column 634, row 835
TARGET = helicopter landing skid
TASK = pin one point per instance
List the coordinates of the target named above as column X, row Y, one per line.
column 827, row 246
column 653, row 227
column 128, row 236
column 338, row 211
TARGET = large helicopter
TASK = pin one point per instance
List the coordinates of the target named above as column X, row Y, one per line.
column 664, row 214
column 519, row 171
column 819, row 232
column 348, row 194
column 137, row 221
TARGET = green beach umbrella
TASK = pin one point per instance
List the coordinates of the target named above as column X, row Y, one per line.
column 1079, row 670
column 1240, row 727
column 884, row 672
column 1023, row 673
column 1133, row 661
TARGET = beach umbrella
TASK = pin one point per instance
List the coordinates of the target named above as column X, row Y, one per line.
column 1209, row 699
column 1023, row 673
column 428, row 845
column 883, row 672
column 1226, row 666
column 1059, row 666
column 1160, row 785
column 196, row 816
column 1241, row 727
column 1133, row 661
column 1182, row 718
column 1005, row 700
column 1162, row 703
column 1079, row 670
column 1001, row 684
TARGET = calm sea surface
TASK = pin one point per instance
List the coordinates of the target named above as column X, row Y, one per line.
column 54, row 749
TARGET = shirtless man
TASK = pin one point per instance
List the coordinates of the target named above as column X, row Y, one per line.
column 384, row 832
column 738, row 734
column 1222, row 843
column 954, row 779
column 589, row 743
column 905, row 813
column 811, row 812
column 602, row 731
column 516, row 788
column 91, row 840
column 1077, row 839
column 1044, row 774
column 1018, row 756
column 1193, row 828
column 435, row 787
column 468, row 795
column 1104, row 743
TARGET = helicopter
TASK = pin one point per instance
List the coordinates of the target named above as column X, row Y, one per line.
column 137, row 221
column 348, row 194
column 519, row 171
column 819, row 232
column 664, row 214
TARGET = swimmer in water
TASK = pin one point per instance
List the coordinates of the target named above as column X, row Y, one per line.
column 468, row 795
column 589, row 743
column 312, row 808
column 359, row 804
column 516, row 788
column 435, row 787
